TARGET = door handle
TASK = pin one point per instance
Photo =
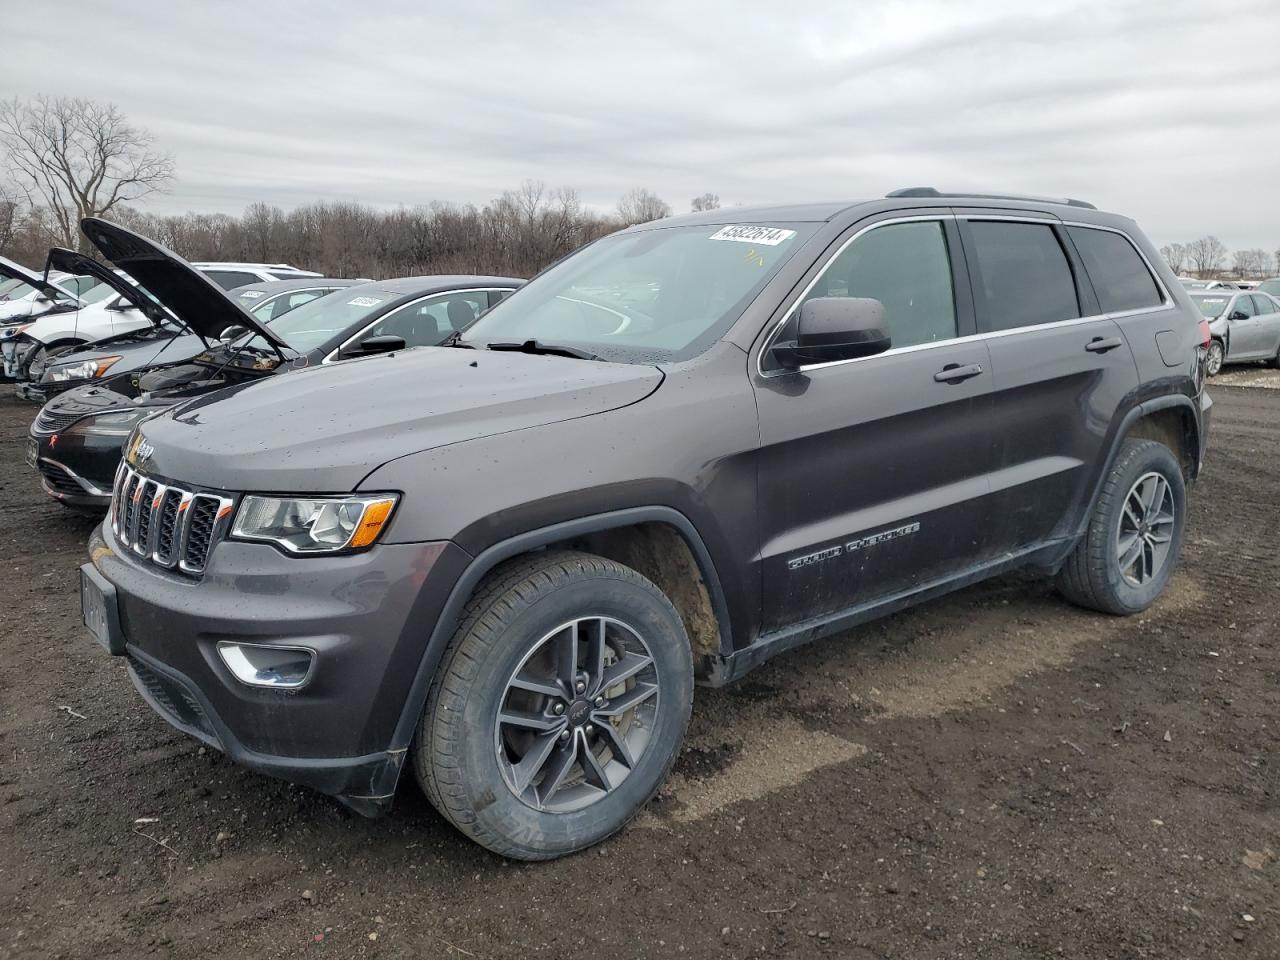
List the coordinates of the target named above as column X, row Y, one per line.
column 955, row 373
column 1103, row 344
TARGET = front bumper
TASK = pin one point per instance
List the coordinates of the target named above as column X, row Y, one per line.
column 367, row 616
column 77, row 470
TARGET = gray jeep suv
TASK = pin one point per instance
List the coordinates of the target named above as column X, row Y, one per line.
column 688, row 447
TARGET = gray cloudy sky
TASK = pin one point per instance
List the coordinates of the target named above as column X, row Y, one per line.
column 1166, row 111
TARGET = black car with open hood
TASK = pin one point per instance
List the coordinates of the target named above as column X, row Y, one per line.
column 75, row 441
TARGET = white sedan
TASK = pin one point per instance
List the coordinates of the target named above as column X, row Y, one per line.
column 1245, row 326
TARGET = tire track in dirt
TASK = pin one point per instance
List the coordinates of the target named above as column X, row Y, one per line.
column 960, row 662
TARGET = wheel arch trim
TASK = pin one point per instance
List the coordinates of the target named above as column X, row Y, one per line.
column 451, row 613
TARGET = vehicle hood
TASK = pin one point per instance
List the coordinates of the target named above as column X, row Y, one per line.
column 136, row 352
column 184, row 291
column 16, row 271
column 71, row 262
column 325, row 429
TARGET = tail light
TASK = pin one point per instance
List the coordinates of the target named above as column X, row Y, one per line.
column 1205, row 335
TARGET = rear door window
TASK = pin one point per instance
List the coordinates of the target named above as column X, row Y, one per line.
column 1263, row 304
column 1119, row 276
column 1021, row 275
column 230, row 279
column 907, row 267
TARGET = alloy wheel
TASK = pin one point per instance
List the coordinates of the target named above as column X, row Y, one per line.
column 577, row 714
column 1145, row 534
column 1214, row 363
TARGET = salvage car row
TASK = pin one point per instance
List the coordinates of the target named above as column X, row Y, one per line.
column 504, row 560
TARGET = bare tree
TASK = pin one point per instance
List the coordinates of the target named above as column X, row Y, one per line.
column 1206, row 256
column 641, row 206
column 708, row 201
column 10, row 217
column 1175, row 254
column 78, row 158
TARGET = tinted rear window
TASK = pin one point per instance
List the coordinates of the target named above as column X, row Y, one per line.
column 230, row 279
column 1021, row 275
column 1119, row 277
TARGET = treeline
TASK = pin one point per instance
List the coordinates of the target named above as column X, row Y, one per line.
column 517, row 234
column 1208, row 258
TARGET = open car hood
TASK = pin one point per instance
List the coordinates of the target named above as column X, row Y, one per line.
column 16, row 271
column 197, row 302
column 69, row 261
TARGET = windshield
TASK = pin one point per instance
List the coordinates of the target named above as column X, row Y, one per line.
column 311, row 324
column 660, row 294
column 15, row 290
column 1211, row 306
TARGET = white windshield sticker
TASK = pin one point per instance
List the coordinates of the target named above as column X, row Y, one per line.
column 746, row 233
column 253, row 294
column 364, row 302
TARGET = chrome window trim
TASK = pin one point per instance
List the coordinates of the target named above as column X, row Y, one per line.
column 333, row 355
column 772, row 336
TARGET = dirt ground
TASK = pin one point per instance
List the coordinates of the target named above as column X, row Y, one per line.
column 995, row 774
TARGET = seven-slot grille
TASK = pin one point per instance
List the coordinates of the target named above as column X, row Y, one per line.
column 170, row 526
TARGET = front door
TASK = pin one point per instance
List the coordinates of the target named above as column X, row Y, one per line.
column 873, row 472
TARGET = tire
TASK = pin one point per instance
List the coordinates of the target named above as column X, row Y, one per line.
column 1217, row 356
column 1094, row 575
column 518, row 623
column 1274, row 362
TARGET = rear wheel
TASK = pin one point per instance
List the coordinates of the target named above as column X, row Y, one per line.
column 1217, row 353
column 559, row 706
column 1124, row 560
column 1274, row 362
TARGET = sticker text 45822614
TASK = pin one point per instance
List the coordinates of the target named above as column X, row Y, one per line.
column 749, row 233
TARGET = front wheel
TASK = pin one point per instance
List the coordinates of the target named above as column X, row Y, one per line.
column 1124, row 560
column 1213, row 363
column 558, row 708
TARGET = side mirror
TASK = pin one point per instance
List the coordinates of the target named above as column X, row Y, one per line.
column 41, row 298
column 1238, row 315
column 386, row 343
column 232, row 332
column 835, row 328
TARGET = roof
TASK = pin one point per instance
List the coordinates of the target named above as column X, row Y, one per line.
column 443, row 282
column 915, row 197
column 237, row 265
column 301, row 283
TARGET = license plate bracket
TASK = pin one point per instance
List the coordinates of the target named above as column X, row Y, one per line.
column 100, row 610
column 33, row 450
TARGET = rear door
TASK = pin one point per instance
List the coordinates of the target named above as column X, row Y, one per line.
column 1268, row 326
column 1060, row 371
column 873, row 472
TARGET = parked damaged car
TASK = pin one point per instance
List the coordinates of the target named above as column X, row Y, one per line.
column 684, row 449
column 165, row 341
column 1245, row 326
column 75, row 440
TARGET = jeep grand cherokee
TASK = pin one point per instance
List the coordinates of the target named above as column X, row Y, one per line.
column 690, row 446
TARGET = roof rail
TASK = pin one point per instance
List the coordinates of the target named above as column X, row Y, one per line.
column 935, row 192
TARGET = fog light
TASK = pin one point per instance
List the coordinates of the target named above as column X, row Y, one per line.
column 282, row 668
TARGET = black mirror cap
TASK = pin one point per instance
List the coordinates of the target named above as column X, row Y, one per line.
column 386, row 343
column 1238, row 315
column 835, row 328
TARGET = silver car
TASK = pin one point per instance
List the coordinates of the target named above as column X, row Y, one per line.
column 1245, row 326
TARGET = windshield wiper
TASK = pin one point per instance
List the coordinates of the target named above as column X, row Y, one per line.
column 537, row 346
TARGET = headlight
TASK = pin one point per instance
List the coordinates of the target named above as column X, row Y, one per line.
column 314, row 524
column 118, row 424
column 82, row 370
